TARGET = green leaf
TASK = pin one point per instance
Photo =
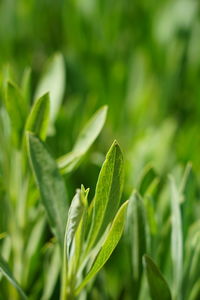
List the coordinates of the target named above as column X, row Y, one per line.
column 52, row 275
column 108, row 193
column 111, row 241
column 86, row 138
column 195, row 291
column 53, row 81
column 157, row 284
column 74, row 215
column 38, row 118
column 32, row 252
column 147, row 177
column 4, row 268
column 26, row 84
column 176, row 239
column 51, row 186
column 137, row 235
column 16, row 110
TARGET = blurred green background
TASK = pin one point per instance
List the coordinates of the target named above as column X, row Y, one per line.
column 142, row 58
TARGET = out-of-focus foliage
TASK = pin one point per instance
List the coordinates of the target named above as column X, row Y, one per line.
column 141, row 58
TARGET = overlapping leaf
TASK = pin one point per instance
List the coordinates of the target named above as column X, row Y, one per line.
column 87, row 136
column 51, row 185
column 157, row 284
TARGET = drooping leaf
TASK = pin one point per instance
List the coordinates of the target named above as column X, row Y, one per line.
column 113, row 236
column 38, row 118
column 176, row 238
column 53, row 81
column 4, row 268
column 51, row 186
column 86, row 138
column 108, row 192
column 158, row 286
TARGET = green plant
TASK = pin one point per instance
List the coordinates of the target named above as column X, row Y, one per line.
column 53, row 247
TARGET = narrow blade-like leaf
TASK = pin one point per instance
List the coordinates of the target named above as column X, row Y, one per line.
column 74, row 216
column 111, row 241
column 51, row 186
column 16, row 110
column 4, row 268
column 38, row 118
column 108, row 192
column 158, row 286
column 147, row 177
column 137, row 235
column 51, row 277
column 53, row 81
column 176, row 239
column 87, row 136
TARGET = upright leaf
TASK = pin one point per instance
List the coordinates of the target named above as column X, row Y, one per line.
column 137, row 236
column 74, row 216
column 147, row 177
column 51, row 186
column 53, row 81
column 17, row 111
column 38, row 118
column 85, row 139
column 108, row 193
column 51, row 277
column 111, row 241
column 176, row 239
column 26, row 84
column 157, row 284
column 4, row 268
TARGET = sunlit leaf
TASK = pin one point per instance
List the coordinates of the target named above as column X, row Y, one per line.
column 53, row 82
column 86, row 138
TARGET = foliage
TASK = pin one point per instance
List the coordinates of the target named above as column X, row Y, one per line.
column 74, row 76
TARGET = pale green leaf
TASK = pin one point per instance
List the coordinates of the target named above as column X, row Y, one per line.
column 86, row 138
column 110, row 243
column 51, row 185
column 26, row 84
column 148, row 175
column 53, row 81
column 16, row 110
column 137, row 236
column 176, row 239
column 4, row 268
column 158, row 286
column 38, row 118
column 52, row 275
column 74, row 216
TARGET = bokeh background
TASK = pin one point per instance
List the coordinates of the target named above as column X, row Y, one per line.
column 142, row 58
